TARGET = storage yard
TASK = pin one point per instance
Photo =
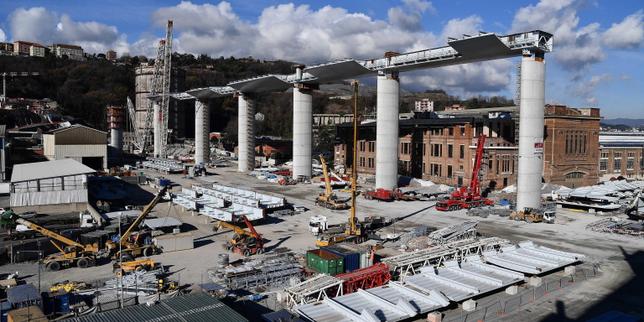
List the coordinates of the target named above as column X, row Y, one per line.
column 608, row 261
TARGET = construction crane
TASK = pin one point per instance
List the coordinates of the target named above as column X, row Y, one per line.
column 468, row 197
column 160, row 88
column 328, row 199
column 132, row 248
column 246, row 242
column 71, row 253
column 353, row 228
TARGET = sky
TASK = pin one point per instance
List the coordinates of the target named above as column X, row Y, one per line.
column 598, row 57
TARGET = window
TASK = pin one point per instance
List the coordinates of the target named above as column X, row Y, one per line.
column 362, row 145
column 449, row 171
column 361, row 161
column 436, row 150
column 462, row 151
column 617, row 154
column 462, row 131
column 450, row 131
column 372, row 146
column 505, row 165
column 603, row 164
column 370, row 163
column 642, row 162
column 575, row 175
column 617, row 165
column 450, row 151
column 630, row 163
column 631, row 154
column 405, row 148
column 604, row 155
column 424, row 148
column 435, row 169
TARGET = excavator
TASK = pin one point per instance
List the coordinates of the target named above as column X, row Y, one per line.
column 246, row 242
column 328, row 199
column 71, row 253
column 468, row 197
column 133, row 246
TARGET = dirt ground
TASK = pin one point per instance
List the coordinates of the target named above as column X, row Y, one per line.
column 620, row 258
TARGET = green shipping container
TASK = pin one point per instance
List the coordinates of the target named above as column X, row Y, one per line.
column 324, row 262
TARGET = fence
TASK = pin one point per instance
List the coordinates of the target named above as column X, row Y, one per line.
column 491, row 311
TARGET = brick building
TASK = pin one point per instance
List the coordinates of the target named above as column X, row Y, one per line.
column 442, row 149
column 571, row 146
column 621, row 154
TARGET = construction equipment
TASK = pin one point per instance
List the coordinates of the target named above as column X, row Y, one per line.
column 132, row 245
column 468, row 197
column 381, row 194
column 534, row 215
column 328, row 199
column 353, row 230
column 67, row 287
column 71, row 253
column 138, row 265
column 246, row 242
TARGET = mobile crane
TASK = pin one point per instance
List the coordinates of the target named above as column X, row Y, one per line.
column 468, row 197
column 328, row 199
column 71, row 253
column 133, row 246
column 353, row 229
column 246, row 242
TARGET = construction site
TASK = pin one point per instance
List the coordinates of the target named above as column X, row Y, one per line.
column 192, row 234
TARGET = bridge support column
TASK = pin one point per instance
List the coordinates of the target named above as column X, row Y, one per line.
column 245, row 133
column 202, row 132
column 531, row 107
column 302, row 132
column 387, row 106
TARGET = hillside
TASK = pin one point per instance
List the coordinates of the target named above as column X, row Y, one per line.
column 639, row 123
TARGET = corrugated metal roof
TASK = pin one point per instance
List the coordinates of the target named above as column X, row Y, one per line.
column 48, row 169
column 76, row 126
column 191, row 308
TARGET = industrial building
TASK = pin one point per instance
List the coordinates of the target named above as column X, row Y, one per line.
column 441, row 149
column 81, row 143
column 621, row 154
column 50, row 183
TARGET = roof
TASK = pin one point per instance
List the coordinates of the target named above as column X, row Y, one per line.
column 189, row 308
column 67, row 46
column 48, row 169
column 75, row 126
column 156, row 223
column 22, row 293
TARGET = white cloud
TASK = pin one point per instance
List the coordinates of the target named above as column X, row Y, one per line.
column 456, row 28
column 576, row 47
column 409, row 16
column 585, row 89
column 41, row 25
column 3, row 37
column 629, row 33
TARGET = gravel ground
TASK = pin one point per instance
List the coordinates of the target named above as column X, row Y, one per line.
column 620, row 257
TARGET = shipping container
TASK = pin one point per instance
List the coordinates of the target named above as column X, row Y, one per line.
column 174, row 242
column 325, row 262
column 363, row 250
column 351, row 258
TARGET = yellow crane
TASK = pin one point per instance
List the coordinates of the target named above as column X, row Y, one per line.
column 328, row 199
column 131, row 249
column 71, row 253
column 353, row 228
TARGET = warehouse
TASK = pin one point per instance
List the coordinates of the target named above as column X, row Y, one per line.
column 50, row 183
column 81, row 143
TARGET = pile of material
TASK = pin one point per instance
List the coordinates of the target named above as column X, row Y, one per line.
column 464, row 230
column 272, row 270
column 146, row 281
column 618, row 226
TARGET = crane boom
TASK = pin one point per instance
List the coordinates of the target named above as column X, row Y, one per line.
column 475, row 189
column 48, row 233
column 238, row 230
column 327, row 181
column 145, row 213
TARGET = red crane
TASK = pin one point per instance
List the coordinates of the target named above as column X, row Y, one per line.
column 468, row 197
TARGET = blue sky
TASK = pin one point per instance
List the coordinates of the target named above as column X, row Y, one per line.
column 598, row 58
